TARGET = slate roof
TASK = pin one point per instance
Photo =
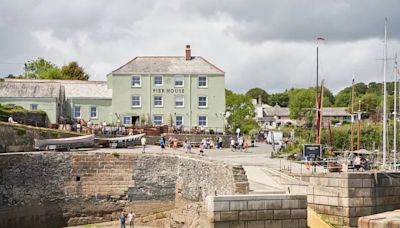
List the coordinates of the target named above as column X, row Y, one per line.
column 51, row 88
column 275, row 111
column 15, row 89
column 169, row 65
column 83, row 89
column 335, row 111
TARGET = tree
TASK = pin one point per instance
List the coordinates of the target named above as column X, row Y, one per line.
column 369, row 103
column 281, row 99
column 73, row 71
column 299, row 101
column 41, row 69
column 256, row 92
column 343, row 99
column 241, row 111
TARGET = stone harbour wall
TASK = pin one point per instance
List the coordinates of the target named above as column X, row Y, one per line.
column 257, row 211
column 53, row 189
column 341, row 198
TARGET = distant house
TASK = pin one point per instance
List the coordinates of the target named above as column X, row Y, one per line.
column 338, row 113
column 270, row 117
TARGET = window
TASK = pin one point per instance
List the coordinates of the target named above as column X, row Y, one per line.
column 179, row 81
column 93, row 112
column 202, row 81
column 157, row 119
column 202, row 120
column 158, row 80
column 11, row 105
column 77, row 111
column 127, row 120
column 136, row 101
column 179, row 101
column 34, row 106
column 202, row 102
column 178, row 120
column 136, row 81
column 158, row 101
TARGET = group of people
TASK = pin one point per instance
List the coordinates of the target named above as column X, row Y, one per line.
column 173, row 142
column 127, row 218
column 239, row 144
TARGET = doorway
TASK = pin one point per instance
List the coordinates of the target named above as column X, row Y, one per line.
column 135, row 120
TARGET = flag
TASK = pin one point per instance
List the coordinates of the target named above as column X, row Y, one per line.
column 320, row 38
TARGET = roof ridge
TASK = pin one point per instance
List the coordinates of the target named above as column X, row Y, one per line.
column 212, row 64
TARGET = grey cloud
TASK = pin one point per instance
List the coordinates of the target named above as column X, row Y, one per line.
column 304, row 20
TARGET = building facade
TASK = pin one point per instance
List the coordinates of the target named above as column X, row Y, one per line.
column 183, row 91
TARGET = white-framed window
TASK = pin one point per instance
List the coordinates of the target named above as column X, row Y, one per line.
column 179, row 81
column 179, row 101
column 202, row 81
column 202, row 120
column 158, row 80
column 203, row 102
column 77, row 111
column 158, row 101
column 157, row 119
column 136, row 81
column 136, row 101
column 34, row 106
column 127, row 120
column 178, row 120
column 93, row 112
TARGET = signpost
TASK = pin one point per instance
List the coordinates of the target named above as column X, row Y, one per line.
column 312, row 151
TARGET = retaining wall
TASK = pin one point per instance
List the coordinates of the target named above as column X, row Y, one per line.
column 56, row 189
column 18, row 137
column 257, row 211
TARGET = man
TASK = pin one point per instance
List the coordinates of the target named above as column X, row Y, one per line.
column 131, row 219
column 357, row 162
column 122, row 219
column 143, row 141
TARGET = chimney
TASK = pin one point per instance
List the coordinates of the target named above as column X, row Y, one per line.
column 188, row 53
column 259, row 100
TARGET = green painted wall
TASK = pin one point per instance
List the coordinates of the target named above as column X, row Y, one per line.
column 123, row 91
column 103, row 109
column 49, row 105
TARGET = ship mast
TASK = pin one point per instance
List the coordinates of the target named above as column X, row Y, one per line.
column 384, row 98
column 395, row 114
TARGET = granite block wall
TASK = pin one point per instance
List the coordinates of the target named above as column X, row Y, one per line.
column 257, row 211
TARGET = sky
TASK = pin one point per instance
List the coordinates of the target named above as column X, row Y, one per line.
column 258, row 43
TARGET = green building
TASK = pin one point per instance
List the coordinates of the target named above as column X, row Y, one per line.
column 42, row 95
column 186, row 91
column 169, row 90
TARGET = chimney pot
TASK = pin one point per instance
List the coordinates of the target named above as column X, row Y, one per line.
column 188, row 53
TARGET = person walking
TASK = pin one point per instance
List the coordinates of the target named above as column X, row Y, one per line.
column 162, row 143
column 220, row 142
column 233, row 144
column 122, row 219
column 143, row 141
column 131, row 219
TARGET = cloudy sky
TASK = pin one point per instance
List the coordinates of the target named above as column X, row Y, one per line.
column 258, row 43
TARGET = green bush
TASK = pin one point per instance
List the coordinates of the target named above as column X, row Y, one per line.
column 334, row 121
